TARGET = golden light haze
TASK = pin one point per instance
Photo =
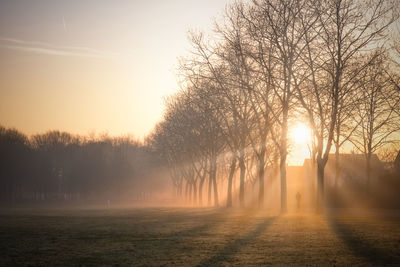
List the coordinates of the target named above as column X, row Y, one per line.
column 93, row 66
column 300, row 140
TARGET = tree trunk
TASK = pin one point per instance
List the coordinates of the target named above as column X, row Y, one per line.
column 188, row 192
column 216, row 204
column 201, row 191
column 283, row 154
column 230, row 181
column 194, row 193
column 321, row 188
column 313, row 195
column 209, row 187
column 242, row 173
column 180, row 189
column 337, row 166
column 214, row 178
column 283, row 183
column 261, row 182
column 368, row 171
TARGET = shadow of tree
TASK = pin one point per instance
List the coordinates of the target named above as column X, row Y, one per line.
column 206, row 222
column 233, row 248
column 361, row 246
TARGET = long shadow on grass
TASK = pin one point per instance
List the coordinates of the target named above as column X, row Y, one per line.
column 207, row 222
column 233, row 248
column 360, row 246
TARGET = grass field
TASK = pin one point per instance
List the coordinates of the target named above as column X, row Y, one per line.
column 202, row 237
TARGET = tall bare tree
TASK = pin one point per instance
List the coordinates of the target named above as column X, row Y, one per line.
column 345, row 30
column 378, row 122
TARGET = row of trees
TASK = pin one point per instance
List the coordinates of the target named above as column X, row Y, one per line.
column 60, row 166
column 268, row 63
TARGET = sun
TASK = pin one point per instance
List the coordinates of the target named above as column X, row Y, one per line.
column 300, row 134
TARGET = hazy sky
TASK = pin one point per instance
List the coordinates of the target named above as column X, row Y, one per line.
column 93, row 65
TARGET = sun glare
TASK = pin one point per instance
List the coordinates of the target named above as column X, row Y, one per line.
column 301, row 134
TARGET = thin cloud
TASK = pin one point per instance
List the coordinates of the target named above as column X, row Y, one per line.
column 64, row 24
column 50, row 49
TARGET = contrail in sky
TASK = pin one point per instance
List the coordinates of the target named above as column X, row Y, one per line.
column 65, row 26
column 56, row 50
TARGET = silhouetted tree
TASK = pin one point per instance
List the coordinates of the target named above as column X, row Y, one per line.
column 377, row 120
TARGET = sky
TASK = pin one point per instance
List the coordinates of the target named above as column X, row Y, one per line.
column 93, row 66
column 96, row 66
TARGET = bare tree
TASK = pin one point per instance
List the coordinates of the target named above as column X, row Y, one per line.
column 345, row 30
column 280, row 26
column 378, row 122
column 219, row 65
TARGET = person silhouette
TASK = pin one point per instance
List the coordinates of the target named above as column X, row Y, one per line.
column 298, row 199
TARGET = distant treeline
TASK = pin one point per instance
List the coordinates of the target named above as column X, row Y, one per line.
column 59, row 166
